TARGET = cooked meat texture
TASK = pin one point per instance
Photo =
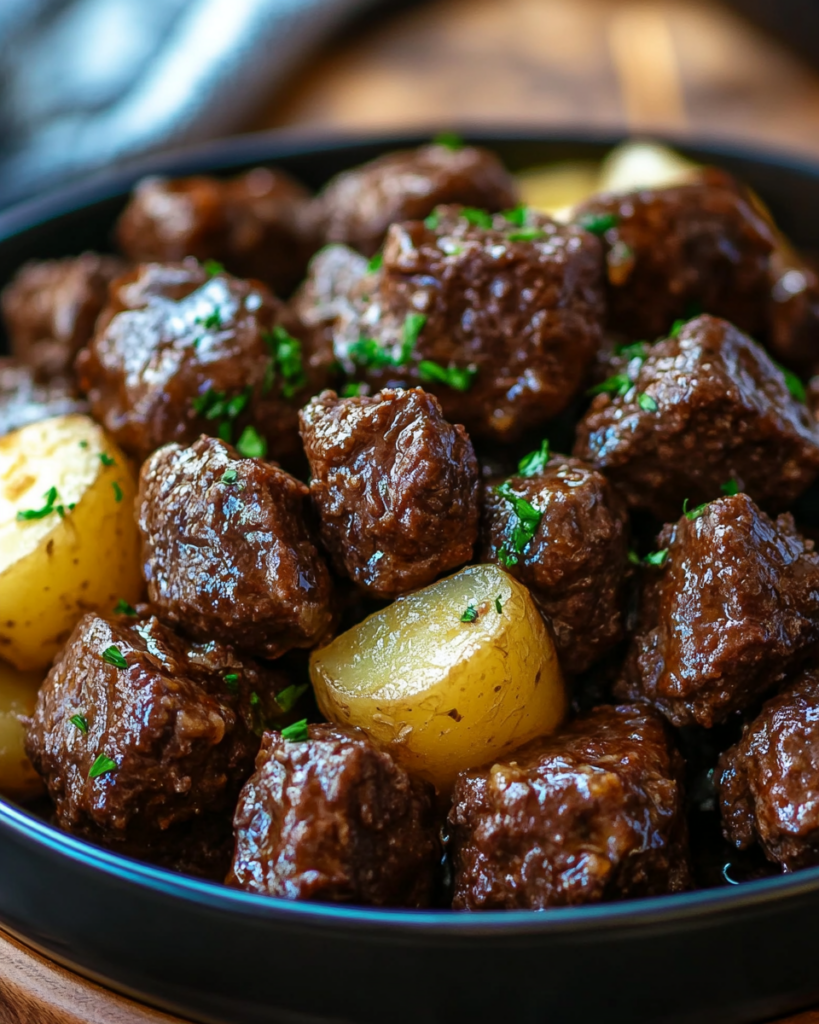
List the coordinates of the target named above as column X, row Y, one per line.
column 180, row 353
column 226, row 551
column 593, row 813
column 794, row 315
column 670, row 252
column 181, row 741
column 500, row 322
column 768, row 782
column 51, row 306
column 731, row 611
column 333, row 818
column 258, row 224
column 395, row 486
column 358, row 206
column 701, row 409
column 23, row 400
column 576, row 564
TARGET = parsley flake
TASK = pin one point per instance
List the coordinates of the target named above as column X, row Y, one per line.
column 286, row 357
column 80, row 723
column 534, row 462
column 83, row 444
column 599, row 223
column 297, row 732
column 694, row 513
column 730, row 488
column 367, row 353
column 232, row 682
column 632, row 350
column 676, row 327
column 656, row 558
column 376, row 263
column 470, row 614
column 617, row 385
column 478, row 218
column 251, row 445
column 526, row 235
column 646, row 402
column 107, row 460
column 40, row 513
column 413, row 325
column 213, row 267
column 289, row 696
column 432, row 221
column 451, row 140
column 229, row 477
column 455, row 377
column 524, row 525
column 498, row 605
column 123, row 608
column 352, row 389
column 792, row 383
column 101, row 766
column 117, row 491
column 517, row 215
column 211, row 322
column 633, row 557
column 113, row 656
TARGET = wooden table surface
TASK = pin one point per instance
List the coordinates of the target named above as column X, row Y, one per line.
column 639, row 65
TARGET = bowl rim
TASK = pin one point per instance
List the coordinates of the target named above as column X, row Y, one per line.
column 266, row 147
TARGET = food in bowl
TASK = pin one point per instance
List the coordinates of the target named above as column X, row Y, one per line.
column 472, row 573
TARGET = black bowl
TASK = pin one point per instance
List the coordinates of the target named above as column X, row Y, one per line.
column 213, row 954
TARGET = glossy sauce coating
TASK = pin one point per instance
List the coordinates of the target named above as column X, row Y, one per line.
column 395, row 486
column 23, row 400
column 333, row 818
column 226, row 550
column 732, row 610
column 592, row 813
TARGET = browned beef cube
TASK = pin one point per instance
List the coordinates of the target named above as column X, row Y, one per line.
column 50, row 309
column 395, row 485
column 699, row 247
column 729, row 609
column 794, row 314
column 23, row 400
column 701, row 409
column 592, row 813
column 500, row 320
column 226, row 550
column 574, row 560
column 141, row 737
column 180, row 353
column 333, row 818
column 357, row 206
column 768, row 782
column 258, row 224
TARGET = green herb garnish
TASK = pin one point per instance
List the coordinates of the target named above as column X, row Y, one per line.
column 792, row 383
column 80, row 723
column 352, row 389
column 516, row 216
column 599, row 223
column 288, row 697
column 617, row 385
column 83, row 444
column 213, row 267
column 656, row 558
column 694, row 513
column 251, row 445
column 478, row 218
column 646, row 402
column 376, row 263
column 470, row 614
column 524, row 526
column 534, row 462
column 41, row 513
column 297, row 732
column 413, row 325
column 232, row 682
column 432, row 220
column 451, row 140
column 287, row 359
column 123, row 608
column 676, row 327
column 211, row 322
column 229, row 477
column 455, row 377
column 366, row 352
column 101, row 766
column 117, row 491
column 526, row 235
column 113, row 656
column 632, row 350
column 498, row 605
column 106, row 459
column 730, row 488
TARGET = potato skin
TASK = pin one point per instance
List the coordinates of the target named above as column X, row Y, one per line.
column 54, row 569
column 18, row 695
column 442, row 694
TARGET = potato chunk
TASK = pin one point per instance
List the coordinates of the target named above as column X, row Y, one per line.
column 68, row 539
column 448, row 677
column 18, row 694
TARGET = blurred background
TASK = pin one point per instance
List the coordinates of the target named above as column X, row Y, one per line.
column 88, row 83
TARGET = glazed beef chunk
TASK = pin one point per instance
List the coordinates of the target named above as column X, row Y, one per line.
column 50, row 309
column 794, row 314
column 257, row 224
column 179, row 353
column 333, row 818
column 395, row 486
column 694, row 412
column 226, row 551
column 731, row 608
column 592, row 813
column 357, row 206
column 575, row 564
column 23, row 400
column 141, row 742
column 697, row 247
column 500, row 320
column 768, row 782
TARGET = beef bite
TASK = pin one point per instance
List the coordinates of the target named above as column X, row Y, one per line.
column 395, row 486
column 226, row 550
column 699, row 246
column 358, row 206
column 560, row 529
column 333, row 818
column 180, row 352
column 768, row 782
column 592, row 813
column 23, row 400
column 793, row 333
column 51, row 307
column 144, row 741
column 695, row 412
column 499, row 318
column 730, row 606
column 258, row 224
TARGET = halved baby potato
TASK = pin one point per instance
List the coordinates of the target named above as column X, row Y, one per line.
column 446, row 678
column 18, row 694
column 68, row 539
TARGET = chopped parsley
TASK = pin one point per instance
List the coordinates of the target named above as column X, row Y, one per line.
column 106, row 459
column 41, row 513
column 498, row 605
column 432, row 221
column 694, row 513
column 617, row 385
column 633, row 557
column 286, row 359
column 232, row 682
column 516, row 216
column 213, row 267
column 676, row 327
column 413, row 325
column 288, row 697
column 80, row 722
column 632, row 350
column 730, row 488
column 646, row 402
column 470, row 614
column 478, row 218
column 376, row 263
column 123, row 608
column 792, row 383
column 367, row 353
column 117, row 491
column 524, row 526
column 526, row 235
column 83, row 444
column 251, row 445
column 455, row 377
column 534, row 462
column 297, row 732
column 255, row 700
column 599, row 223
column 656, row 558
column 217, row 405
column 211, row 322
column 101, row 766
column 351, row 390
column 113, row 656
column 229, row 477
column 451, row 140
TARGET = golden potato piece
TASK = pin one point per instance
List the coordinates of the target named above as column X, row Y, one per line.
column 635, row 165
column 18, row 692
column 448, row 677
column 68, row 540
column 555, row 189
